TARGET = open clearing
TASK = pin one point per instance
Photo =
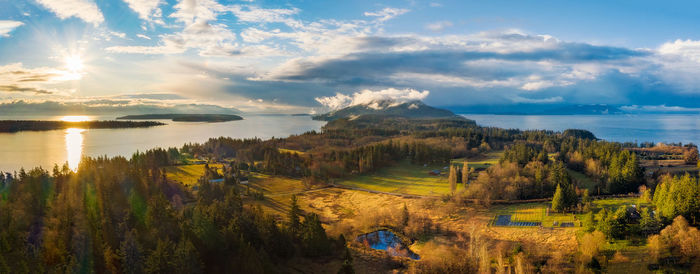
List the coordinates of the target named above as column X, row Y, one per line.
column 484, row 162
column 187, row 174
column 406, row 178
column 403, row 178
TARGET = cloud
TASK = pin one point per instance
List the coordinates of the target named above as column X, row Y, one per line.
column 467, row 64
column 200, row 31
column 85, row 10
column 147, row 9
column 7, row 26
column 248, row 13
column 107, row 106
column 365, row 97
column 14, row 88
column 687, row 49
column 549, row 100
column 438, row 26
column 386, row 13
column 16, row 78
column 143, row 36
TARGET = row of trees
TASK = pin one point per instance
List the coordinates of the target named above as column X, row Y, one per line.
column 678, row 196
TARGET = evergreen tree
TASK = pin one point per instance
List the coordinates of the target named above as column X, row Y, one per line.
column 185, row 258
column 648, row 224
column 131, row 253
column 558, row 201
column 404, row 216
column 347, row 268
column 293, row 216
column 314, row 240
column 161, row 259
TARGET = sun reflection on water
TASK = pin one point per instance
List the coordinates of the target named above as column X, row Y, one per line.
column 74, row 147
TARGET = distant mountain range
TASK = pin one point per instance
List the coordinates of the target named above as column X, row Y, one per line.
column 106, row 107
column 411, row 109
column 539, row 109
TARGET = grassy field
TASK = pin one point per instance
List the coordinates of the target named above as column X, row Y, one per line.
column 489, row 159
column 187, row 174
column 403, row 178
column 274, row 185
column 284, row 150
column 585, row 182
column 278, row 192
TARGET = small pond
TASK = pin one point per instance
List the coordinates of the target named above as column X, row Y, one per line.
column 387, row 240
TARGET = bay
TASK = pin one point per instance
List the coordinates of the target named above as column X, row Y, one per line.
column 30, row 149
column 640, row 128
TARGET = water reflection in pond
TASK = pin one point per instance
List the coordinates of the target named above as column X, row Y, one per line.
column 387, row 240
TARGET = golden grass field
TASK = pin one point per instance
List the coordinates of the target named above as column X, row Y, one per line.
column 491, row 158
column 187, row 174
column 403, row 178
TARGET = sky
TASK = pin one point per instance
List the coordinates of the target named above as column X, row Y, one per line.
column 313, row 56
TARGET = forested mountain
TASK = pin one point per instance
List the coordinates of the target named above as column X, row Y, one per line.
column 412, row 109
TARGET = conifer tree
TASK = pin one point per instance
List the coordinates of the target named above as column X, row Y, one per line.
column 558, row 201
column 404, row 216
column 293, row 216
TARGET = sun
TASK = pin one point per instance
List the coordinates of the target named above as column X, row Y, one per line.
column 73, row 63
column 75, row 118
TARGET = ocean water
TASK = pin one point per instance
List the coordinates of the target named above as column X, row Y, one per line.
column 620, row 128
column 30, row 149
column 45, row 148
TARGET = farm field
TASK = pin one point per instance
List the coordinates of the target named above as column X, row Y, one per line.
column 403, row 178
column 489, row 159
column 534, row 213
column 187, row 174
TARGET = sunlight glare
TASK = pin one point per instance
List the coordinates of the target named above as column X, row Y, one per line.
column 75, row 118
column 74, row 147
column 73, row 63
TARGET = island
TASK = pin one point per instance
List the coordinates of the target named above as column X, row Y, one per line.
column 211, row 118
column 41, row 125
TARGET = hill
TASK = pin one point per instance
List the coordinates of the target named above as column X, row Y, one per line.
column 412, row 109
column 212, row 118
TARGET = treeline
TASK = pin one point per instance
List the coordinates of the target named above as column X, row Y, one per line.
column 337, row 163
column 35, row 125
column 614, row 169
column 117, row 215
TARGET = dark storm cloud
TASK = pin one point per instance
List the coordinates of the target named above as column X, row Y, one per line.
column 370, row 68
